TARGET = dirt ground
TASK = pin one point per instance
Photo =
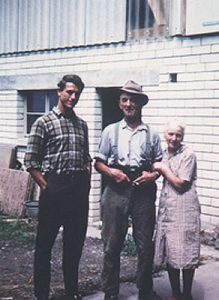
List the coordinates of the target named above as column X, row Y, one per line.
column 16, row 261
column 16, row 269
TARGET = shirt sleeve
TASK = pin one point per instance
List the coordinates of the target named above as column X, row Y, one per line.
column 156, row 148
column 104, row 147
column 34, row 152
column 87, row 153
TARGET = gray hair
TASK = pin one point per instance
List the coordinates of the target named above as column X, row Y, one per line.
column 176, row 122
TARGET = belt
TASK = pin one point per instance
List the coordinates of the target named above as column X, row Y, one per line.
column 73, row 173
column 132, row 172
column 66, row 174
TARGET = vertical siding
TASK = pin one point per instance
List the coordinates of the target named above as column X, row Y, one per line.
column 105, row 21
column 67, row 23
column 8, row 25
column 43, row 24
column 33, row 30
column 27, row 25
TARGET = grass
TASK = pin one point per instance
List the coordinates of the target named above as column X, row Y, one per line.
column 16, row 230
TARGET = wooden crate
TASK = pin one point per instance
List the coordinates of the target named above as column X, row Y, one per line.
column 15, row 188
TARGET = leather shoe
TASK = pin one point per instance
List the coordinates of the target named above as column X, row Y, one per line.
column 149, row 296
column 178, row 297
column 187, row 297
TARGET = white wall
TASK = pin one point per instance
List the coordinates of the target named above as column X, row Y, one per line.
column 193, row 97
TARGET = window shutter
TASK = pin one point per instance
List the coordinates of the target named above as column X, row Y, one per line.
column 202, row 16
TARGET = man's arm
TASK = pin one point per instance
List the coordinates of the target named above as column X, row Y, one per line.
column 39, row 178
column 146, row 177
column 32, row 160
column 89, row 168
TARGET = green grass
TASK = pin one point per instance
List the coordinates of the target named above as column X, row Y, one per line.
column 18, row 231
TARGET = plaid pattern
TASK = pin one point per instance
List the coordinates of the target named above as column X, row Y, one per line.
column 58, row 144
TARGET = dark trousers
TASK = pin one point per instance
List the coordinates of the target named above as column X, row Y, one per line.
column 118, row 203
column 63, row 203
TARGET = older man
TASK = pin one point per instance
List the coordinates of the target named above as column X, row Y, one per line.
column 126, row 153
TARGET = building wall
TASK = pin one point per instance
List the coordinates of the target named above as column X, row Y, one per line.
column 194, row 96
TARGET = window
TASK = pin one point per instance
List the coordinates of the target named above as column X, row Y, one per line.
column 146, row 18
column 37, row 103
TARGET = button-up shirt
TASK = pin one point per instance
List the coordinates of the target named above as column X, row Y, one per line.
column 131, row 148
column 58, row 144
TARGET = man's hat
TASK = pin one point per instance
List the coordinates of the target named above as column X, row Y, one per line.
column 134, row 88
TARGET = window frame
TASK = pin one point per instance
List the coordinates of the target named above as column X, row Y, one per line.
column 35, row 113
column 157, row 12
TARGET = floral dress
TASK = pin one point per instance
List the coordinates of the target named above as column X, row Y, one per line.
column 177, row 239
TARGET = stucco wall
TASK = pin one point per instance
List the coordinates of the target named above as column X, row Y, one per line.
column 193, row 97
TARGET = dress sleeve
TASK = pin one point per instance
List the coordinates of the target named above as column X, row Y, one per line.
column 188, row 166
column 156, row 147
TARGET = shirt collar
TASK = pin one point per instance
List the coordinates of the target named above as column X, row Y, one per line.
column 59, row 114
column 142, row 126
column 179, row 150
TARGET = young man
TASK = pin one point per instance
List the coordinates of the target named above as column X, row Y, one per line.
column 127, row 151
column 58, row 159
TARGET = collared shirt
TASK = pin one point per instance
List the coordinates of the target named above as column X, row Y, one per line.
column 58, row 144
column 131, row 145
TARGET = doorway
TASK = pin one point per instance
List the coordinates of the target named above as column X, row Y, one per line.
column 110, row 110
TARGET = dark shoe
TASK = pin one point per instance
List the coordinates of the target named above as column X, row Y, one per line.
column 111, row 297
column 187, row 297
column 148, row 296
column 176, row 297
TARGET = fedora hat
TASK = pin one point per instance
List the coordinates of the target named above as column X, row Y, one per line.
column 134, row 88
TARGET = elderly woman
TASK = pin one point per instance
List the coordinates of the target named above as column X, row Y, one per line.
column 177, row 241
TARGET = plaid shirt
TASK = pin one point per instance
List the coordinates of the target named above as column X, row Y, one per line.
column 58, row 144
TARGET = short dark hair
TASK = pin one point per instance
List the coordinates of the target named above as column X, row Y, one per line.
column 71, row 78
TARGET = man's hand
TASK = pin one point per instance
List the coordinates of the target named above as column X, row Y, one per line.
column 145, row 178
column 39, row 178
column 119, row 176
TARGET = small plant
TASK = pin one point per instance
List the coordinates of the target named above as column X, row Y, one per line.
column 16, row 230
column 129, row 248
